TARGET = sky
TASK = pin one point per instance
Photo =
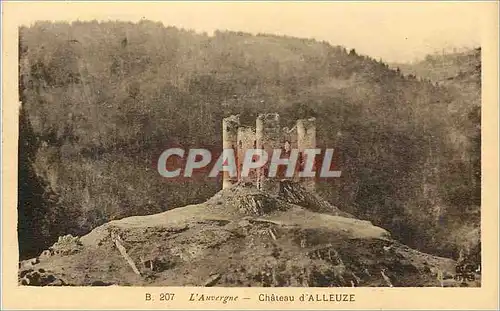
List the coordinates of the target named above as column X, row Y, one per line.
column 394, row 32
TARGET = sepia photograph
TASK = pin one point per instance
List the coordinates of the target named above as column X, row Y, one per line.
column 321, row 145
column 101, row 101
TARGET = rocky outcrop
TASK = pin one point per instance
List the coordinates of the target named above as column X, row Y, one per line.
column 242, row 237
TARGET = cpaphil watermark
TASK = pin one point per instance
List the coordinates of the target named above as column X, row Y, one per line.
column 306, row 163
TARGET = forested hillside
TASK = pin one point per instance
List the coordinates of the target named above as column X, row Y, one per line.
column 465, row 65
column 103, row 100
column 459, row 72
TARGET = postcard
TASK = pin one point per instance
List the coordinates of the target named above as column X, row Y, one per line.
column 250, row 155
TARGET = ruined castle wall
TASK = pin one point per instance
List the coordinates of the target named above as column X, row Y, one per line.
column 246, row 140
column 306, row 139
column 230, row 127
column 289, row 143
column 268, row 131
column 269, row 137
column 290, row 135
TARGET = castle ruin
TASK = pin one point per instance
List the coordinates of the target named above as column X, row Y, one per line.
column 267, row 135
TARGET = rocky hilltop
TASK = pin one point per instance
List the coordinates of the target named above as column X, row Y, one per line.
column 242, row 236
